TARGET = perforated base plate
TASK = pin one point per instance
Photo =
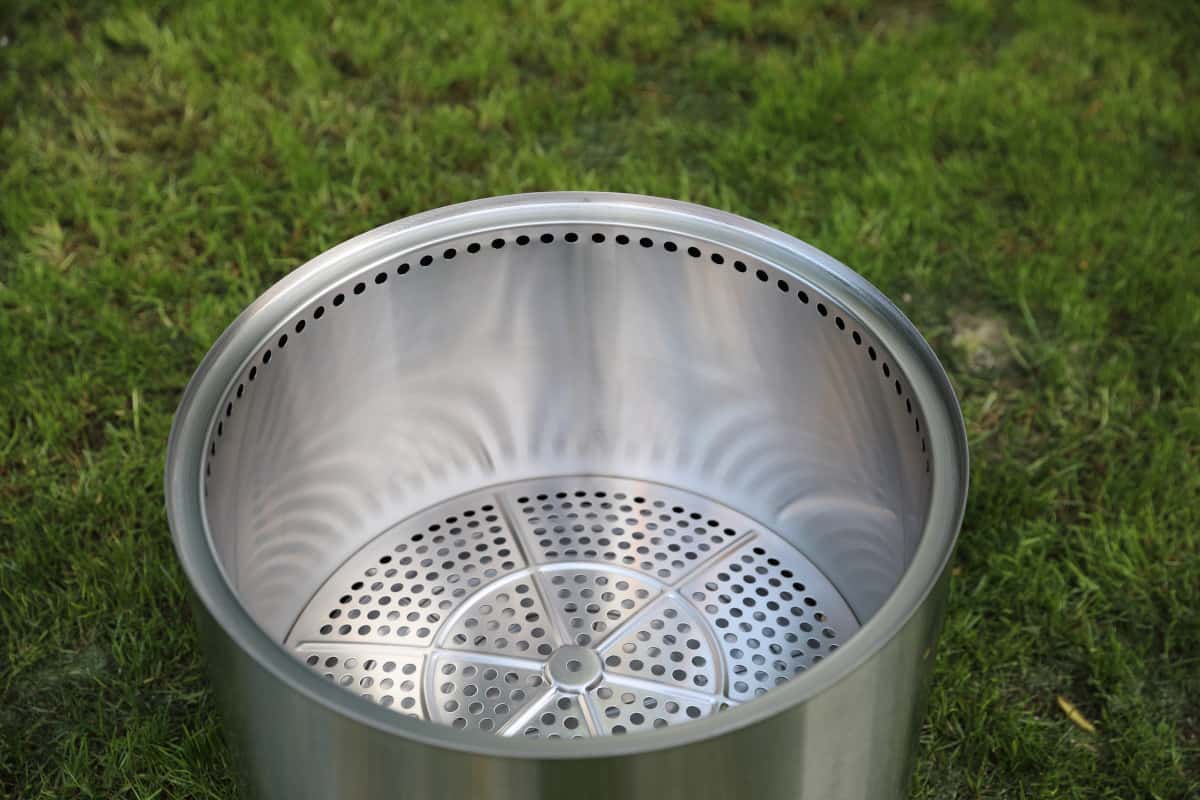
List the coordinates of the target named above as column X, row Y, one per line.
column 571, row 607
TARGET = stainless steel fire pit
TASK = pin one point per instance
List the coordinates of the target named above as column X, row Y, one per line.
column 570, row 495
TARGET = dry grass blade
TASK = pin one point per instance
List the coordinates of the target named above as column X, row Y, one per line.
column 1075, row 715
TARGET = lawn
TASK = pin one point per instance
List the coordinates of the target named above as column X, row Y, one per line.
column 1022, row 178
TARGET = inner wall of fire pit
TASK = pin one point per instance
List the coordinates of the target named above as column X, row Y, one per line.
column 566, row 480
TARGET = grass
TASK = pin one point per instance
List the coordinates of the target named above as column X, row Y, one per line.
column 1023, row 177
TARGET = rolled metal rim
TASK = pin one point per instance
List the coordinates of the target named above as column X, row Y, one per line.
column 946, row 431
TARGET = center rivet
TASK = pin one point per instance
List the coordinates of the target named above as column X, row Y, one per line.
column 574, row 668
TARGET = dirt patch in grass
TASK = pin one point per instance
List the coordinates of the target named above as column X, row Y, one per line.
column 983, row 340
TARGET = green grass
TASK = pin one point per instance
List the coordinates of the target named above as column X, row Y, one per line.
column 1023, row 178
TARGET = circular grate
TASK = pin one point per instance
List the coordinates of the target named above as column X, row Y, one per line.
column 539, row 609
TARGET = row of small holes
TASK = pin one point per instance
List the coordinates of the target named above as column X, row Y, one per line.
column 599, row 238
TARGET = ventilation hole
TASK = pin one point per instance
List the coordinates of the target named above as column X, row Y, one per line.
column 841, row 323
column 694, row 252
column 547, row 238
column 359, row 288
column 403, row 269
column 803, row 295
column 761, row 275
column 522, row 240
column 670, row 247
column 425, row 260
column 497, row 243
column 338, row 299
column 856, row 337
column 646, row 242
column 572, row 237
column 266, row 357
column 283, row 341
column 717, row 258
column 622, row 239
column 381, row 278
column 598, row 238
column 253, row 373
column 783, row 285
column 822, row 310
column 871, row 352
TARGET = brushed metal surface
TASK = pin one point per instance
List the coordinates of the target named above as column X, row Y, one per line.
column 561, row 358
column 545, row 337
column 854, row 740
